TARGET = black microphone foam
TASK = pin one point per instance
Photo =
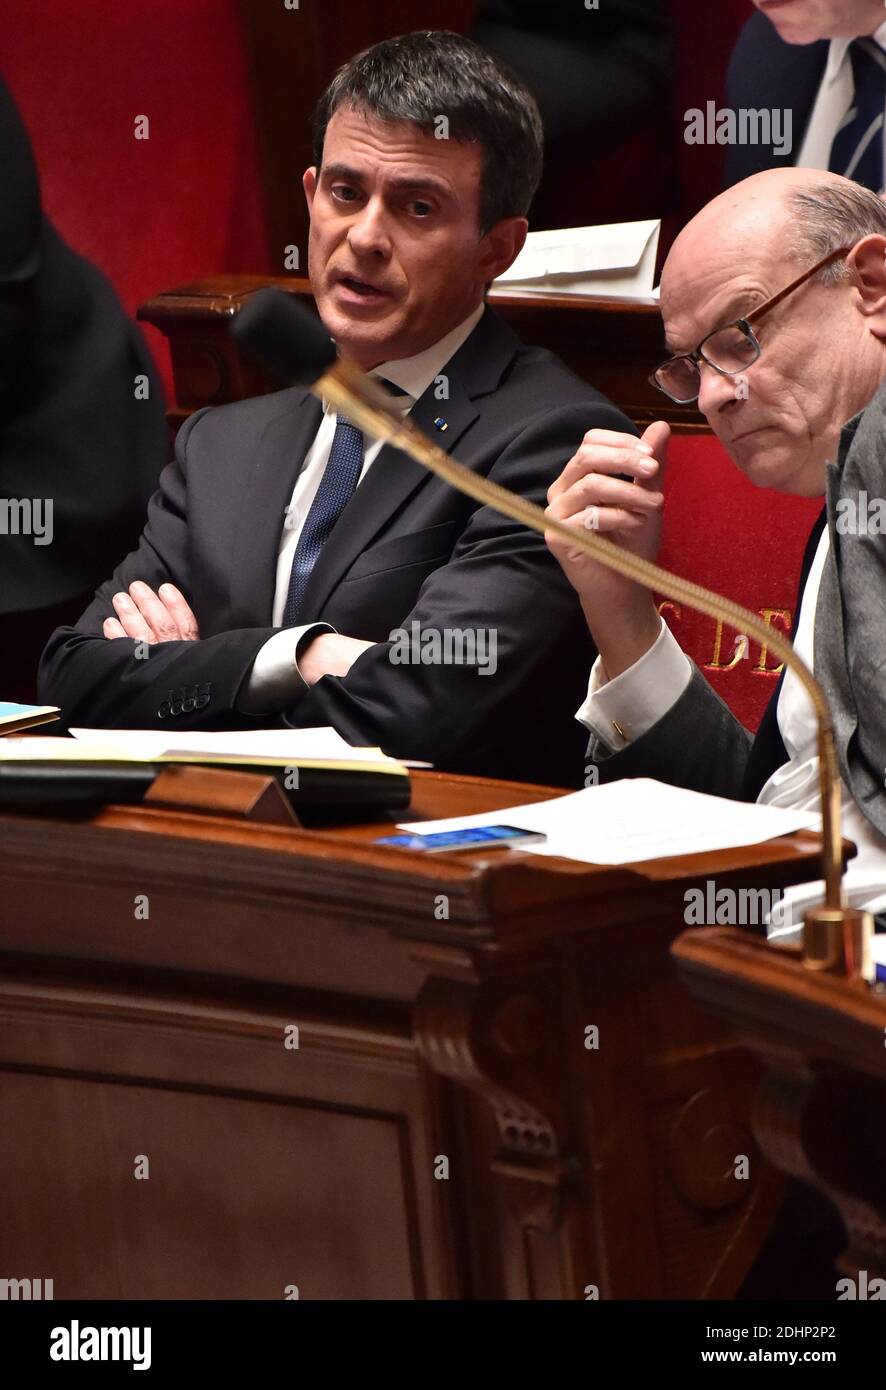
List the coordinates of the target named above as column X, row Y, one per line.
column 282, row 334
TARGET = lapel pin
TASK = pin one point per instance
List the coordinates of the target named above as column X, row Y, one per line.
column 440, row 424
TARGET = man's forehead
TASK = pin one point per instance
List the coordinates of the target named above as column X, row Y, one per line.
column 689, row 319
column 370, row 145
column 727, row 260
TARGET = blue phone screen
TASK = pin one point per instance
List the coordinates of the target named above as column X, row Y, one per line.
column 442, row 839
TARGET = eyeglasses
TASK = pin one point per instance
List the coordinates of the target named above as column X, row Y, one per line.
column 728, row 350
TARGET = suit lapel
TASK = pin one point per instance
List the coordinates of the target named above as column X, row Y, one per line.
column 829, row 639
column 474, row 371
column 761, row 64
column 279, row 458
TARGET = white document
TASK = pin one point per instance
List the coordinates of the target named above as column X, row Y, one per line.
column 613, row 260
column 322, row 745
column 39, row 749
column 636, row 819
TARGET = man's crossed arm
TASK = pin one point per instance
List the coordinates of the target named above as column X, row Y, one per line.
column 166, row 616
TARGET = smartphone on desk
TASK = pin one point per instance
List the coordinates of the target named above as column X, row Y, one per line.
column 478, row 837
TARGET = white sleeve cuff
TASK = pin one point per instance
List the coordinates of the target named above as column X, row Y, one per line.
column 275, row 682
column 622, row 710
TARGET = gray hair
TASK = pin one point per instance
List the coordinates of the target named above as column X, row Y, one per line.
column 830, row 216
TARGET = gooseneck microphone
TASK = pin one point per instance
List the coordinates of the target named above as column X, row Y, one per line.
column 287, row 338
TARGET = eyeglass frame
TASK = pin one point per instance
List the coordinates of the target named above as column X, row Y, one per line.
column 745, row 324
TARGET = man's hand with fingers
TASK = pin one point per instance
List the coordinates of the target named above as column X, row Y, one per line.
column 612, row 486
column 151, row 617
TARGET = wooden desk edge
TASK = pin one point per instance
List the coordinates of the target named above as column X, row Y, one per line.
column 768, row 994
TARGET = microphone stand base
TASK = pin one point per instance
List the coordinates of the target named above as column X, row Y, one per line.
column 838, row 940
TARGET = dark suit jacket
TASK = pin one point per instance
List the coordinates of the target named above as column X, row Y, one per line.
column 699, row 744
column 407, row 548
column 765, row 73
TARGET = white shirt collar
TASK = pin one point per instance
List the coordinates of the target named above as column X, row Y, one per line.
column 415, row 374
column 839, row 53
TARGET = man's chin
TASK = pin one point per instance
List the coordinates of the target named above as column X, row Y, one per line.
column 359, row 328
column 790, row 27
column 756, row 461
column 768, row 461
column 795, row 34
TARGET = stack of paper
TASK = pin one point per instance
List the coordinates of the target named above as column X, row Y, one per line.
column 103, row 765
column 636, row 819
column 319, row 747
column 14, row 718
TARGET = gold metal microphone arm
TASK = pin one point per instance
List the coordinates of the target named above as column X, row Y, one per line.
column 368, row 405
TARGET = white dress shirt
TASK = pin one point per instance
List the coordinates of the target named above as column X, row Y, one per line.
column 833, row 101
column 274, row 681
column 640, row 696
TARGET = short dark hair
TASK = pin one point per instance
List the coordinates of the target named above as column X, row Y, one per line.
column 417, row 78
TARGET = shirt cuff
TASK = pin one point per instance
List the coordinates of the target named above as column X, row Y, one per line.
column 275, row 680
column 624, row 709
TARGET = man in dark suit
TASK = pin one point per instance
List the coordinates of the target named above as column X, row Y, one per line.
column 799, row 410
column 82, row 430
column 384, row 603
column 824, row 62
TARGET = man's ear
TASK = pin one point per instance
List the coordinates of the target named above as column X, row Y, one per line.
column 867, row 260
column 309, row 184
column 501, row 246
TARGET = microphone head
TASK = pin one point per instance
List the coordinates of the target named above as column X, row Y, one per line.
column 282, row 334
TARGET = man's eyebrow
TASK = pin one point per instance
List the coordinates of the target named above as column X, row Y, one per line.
column 738, row 307
column 423, row 183
column 420, row 183
column 341, row 171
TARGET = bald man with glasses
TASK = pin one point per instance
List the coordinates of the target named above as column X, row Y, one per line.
column 774, row 305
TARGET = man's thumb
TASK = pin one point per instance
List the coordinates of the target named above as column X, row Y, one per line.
column 658, row 436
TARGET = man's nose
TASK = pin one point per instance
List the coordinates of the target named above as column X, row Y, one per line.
column 368, row 232
column 716, row 391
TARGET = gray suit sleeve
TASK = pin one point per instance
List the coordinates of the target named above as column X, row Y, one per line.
column 698, row 744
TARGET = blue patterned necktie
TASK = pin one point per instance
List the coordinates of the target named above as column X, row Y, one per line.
column 857, row 151
column 340, row 478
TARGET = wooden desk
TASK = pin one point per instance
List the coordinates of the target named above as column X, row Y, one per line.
column 612, row 343
column 819, row 1111
column 441, row 1131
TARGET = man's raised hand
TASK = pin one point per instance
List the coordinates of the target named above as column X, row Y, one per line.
column 590, row 494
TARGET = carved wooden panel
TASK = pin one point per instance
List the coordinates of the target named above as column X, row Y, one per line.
column 441, row 1131
column 818, row 1113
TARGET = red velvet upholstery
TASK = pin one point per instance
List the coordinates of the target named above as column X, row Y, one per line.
column 747, row 543
column 152, row 213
